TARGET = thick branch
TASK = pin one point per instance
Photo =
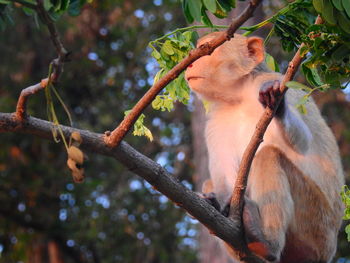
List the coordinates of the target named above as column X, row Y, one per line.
column 237, row 199
column 206, row 49
column 219, row 225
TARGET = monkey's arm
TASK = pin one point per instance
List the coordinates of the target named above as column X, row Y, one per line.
column 295, row 129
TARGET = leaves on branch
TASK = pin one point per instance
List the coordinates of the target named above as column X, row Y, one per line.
column 139, row 128
column 54, row 8
column 196, row 10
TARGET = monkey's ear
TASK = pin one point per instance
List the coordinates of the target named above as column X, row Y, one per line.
column 256, row 49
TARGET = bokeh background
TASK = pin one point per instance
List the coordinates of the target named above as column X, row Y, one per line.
column 113, row 216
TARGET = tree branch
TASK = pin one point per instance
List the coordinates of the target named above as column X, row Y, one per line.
column 219, row 225
column 21, row 107
column 237, row 199
column 118, row 134
column 61, row 51
column 56, row 63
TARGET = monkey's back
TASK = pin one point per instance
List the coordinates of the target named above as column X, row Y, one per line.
column 318, row 199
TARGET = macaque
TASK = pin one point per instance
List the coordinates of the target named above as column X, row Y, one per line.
column 293, row 209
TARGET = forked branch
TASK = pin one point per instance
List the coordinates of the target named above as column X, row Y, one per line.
column 114, row 138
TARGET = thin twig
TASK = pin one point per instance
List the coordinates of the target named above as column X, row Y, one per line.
column 114, row 138
column 23, row 98
column 61, row 51
column 237, row 200
column 57, row 63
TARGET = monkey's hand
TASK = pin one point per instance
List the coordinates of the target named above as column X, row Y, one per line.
column 208, row 194
column 269, row 94
column 211, row 199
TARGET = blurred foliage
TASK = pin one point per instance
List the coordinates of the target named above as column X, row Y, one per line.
column 113, row 216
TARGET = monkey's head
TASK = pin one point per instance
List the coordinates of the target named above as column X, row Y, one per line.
column 217, row 76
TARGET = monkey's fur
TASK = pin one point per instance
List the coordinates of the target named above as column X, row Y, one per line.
column 293, row 208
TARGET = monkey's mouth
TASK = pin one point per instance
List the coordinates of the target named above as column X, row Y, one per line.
column 194, row 78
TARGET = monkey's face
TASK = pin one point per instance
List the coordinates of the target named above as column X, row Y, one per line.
column 216, row 75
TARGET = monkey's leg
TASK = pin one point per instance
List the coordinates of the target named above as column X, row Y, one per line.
column 269, row 190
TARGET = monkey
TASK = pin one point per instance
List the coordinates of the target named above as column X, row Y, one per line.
column 293, row 210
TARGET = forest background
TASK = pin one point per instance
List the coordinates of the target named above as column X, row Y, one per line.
column 113, row 216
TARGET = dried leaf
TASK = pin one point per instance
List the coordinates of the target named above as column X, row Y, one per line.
column 75, row 154
column 76, row 137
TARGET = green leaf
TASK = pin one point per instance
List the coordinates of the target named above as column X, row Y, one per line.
column 155, row 54
column 328, row 13
column 47, row 5
column 298, row 85
column 28, row 11
column 74, row 8
column 338, row 5
column 312, row 75
column 347, row 231
column 187, row 12
column 205, row 19
column 343, row 22
column 220, row 12
column 232, row 3
column 225, row 5
column 167, row 48
column 195, row 7
column 210, row 5
column 346, row 6
column 271, row 63
column 303, row 51
column 340, row 53
column 318, row 5
column 5, row 2
column 57, row 5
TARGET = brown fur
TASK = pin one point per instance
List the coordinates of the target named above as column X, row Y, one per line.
column 296, row 176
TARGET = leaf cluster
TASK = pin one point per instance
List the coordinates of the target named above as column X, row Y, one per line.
column 139, row 128
column 345, row 195
column 55, row 9
column 326, row 46
column 196, row 10
column 168, row 51
column 334, row 12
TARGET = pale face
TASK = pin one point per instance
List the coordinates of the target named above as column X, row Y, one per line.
column 214, row 76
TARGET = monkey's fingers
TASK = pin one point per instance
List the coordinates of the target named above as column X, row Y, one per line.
column 211, row 199
column 270, row 93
